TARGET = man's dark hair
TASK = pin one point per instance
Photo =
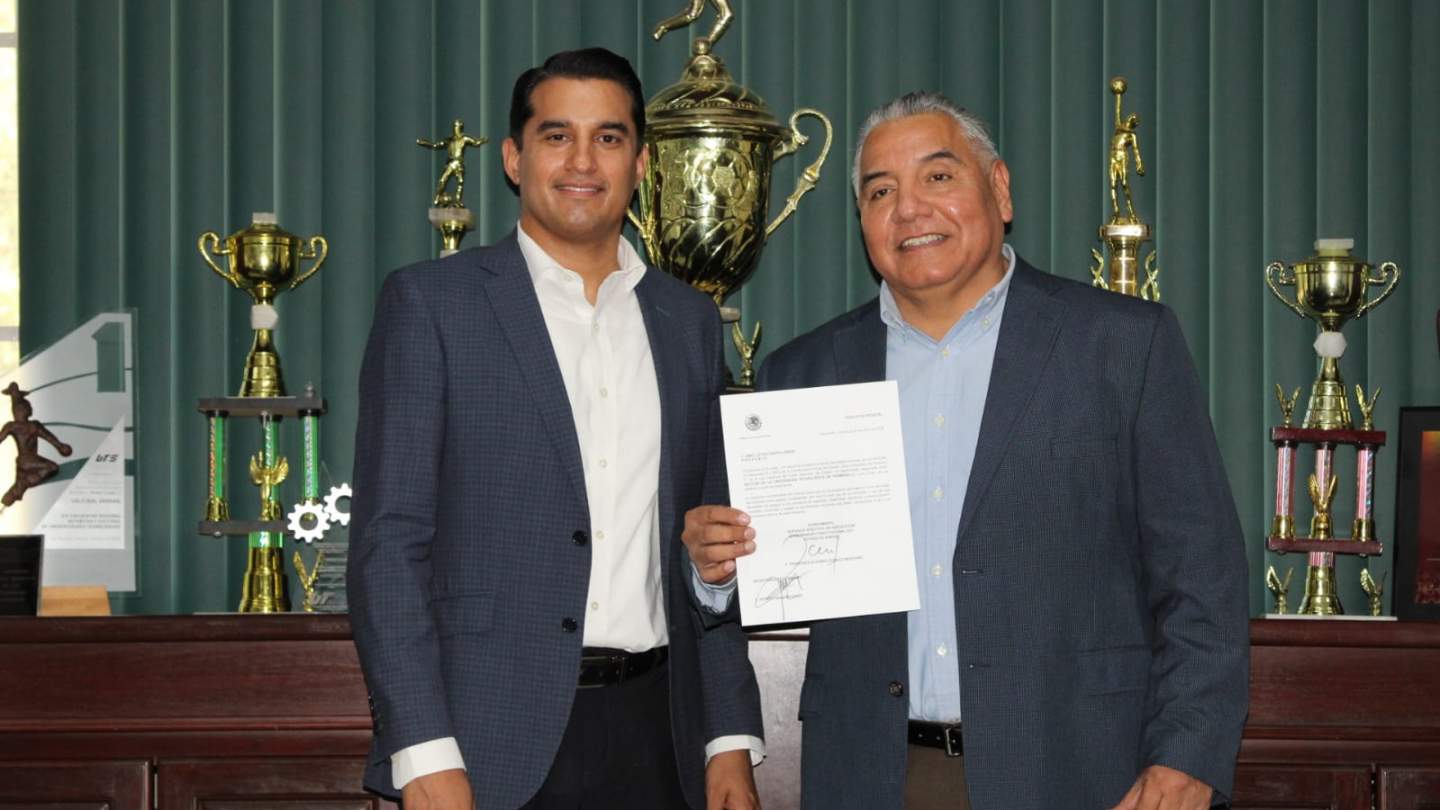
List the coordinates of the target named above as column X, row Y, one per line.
column 586, row 63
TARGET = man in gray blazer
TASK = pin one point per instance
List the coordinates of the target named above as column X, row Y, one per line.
column 534, row 421
column 1082, row 638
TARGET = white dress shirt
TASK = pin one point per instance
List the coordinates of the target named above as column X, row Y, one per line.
column 604, row 355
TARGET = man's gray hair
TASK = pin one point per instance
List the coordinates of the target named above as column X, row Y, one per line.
column 920, row 103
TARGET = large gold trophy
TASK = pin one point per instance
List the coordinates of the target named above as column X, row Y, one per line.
column 263, row 260
column 1124, row 233
column 1331, row 288
column 706, row 193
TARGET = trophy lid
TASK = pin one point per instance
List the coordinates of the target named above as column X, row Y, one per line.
column 1333, row 253
column 264, row 229
column 707, row 100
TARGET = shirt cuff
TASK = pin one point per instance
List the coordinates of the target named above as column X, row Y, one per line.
column 734, row 742
column 714, row 598
column 424, row 759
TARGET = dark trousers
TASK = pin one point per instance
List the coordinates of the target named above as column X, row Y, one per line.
column 934, row 781
column 616, row 753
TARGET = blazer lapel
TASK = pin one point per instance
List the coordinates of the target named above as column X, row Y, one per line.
column 517, row 310
column 1027, row 338
column 668, row 354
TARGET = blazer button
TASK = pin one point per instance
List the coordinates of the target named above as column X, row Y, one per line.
column 897, row 689
column 580, row 537
column 568, row 624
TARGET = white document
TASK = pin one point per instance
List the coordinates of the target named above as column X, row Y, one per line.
column 821, row 472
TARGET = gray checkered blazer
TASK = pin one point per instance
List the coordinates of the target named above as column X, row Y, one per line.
column 470, row 562
column 1099, row 570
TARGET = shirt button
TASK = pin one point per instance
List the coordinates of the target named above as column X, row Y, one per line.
column 945, row 352
column 595, row 326
column 939, row 420
column 942, row 650
column 594, row 605
column 604, row 464
column 604, row 392
column 580, row 538
column 568, row 624
column 936, row 570
column 938, row 494
column 600, row 535
column 985, row 322
column 896, row 689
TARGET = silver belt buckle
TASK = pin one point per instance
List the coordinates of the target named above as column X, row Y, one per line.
column 952, row 733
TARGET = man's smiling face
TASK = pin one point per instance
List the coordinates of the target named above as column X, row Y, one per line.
column 580, row 162
column 933, row 217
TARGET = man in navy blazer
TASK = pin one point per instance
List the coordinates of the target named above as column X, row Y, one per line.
column 1082, row 640
column 534, row 421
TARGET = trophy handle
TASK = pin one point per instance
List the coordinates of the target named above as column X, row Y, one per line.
column 645, row 228
column 318, row 250
column 811, row 175
column 1278, row 275
column 1388, row 270
column 213, row 240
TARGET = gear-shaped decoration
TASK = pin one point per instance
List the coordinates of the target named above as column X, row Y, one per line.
column 332, row 505
column 297, row 522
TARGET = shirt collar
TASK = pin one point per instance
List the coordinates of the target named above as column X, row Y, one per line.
column 992, row 300
column 542, row 266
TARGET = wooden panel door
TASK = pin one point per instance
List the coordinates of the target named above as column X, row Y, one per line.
column 74, row 785
column 1301, row 787
column 1412, row 788
column 313, row 783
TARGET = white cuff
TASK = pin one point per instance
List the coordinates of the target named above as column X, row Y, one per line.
column 734, row 742
column 714, row 598
column 424, row 759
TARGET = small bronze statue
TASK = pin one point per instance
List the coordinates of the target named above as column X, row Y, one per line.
column 1122, row 143
column 268, row 478
column 1373, row 589
column 691, row 14
column 307, row 579
column 745, row 349
column 1367, row 408
column 1320, row 496
column 1287, row 404
column 1279, row 588
column 454, row 147
column 31, row 468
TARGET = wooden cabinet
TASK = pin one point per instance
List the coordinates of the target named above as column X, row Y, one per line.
column 222, row 712
column 1343, row 714
column 214, row 712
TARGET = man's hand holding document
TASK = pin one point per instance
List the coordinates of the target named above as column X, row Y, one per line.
column 821, row 473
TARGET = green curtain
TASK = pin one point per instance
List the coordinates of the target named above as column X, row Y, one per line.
column 1263, row 125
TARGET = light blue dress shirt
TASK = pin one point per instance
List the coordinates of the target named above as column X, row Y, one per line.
column 942, row 397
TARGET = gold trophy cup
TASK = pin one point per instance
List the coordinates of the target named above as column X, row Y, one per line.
column 706, row 192
column 1331, row 288
column 264, row 261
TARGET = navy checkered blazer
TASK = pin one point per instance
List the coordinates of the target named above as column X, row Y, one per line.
column 470, row 559
column 1099, row 570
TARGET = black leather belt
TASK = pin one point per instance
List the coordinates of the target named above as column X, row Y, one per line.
column 599, row 667
column 945, row 736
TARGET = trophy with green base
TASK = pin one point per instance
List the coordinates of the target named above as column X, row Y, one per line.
column 264, row 261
